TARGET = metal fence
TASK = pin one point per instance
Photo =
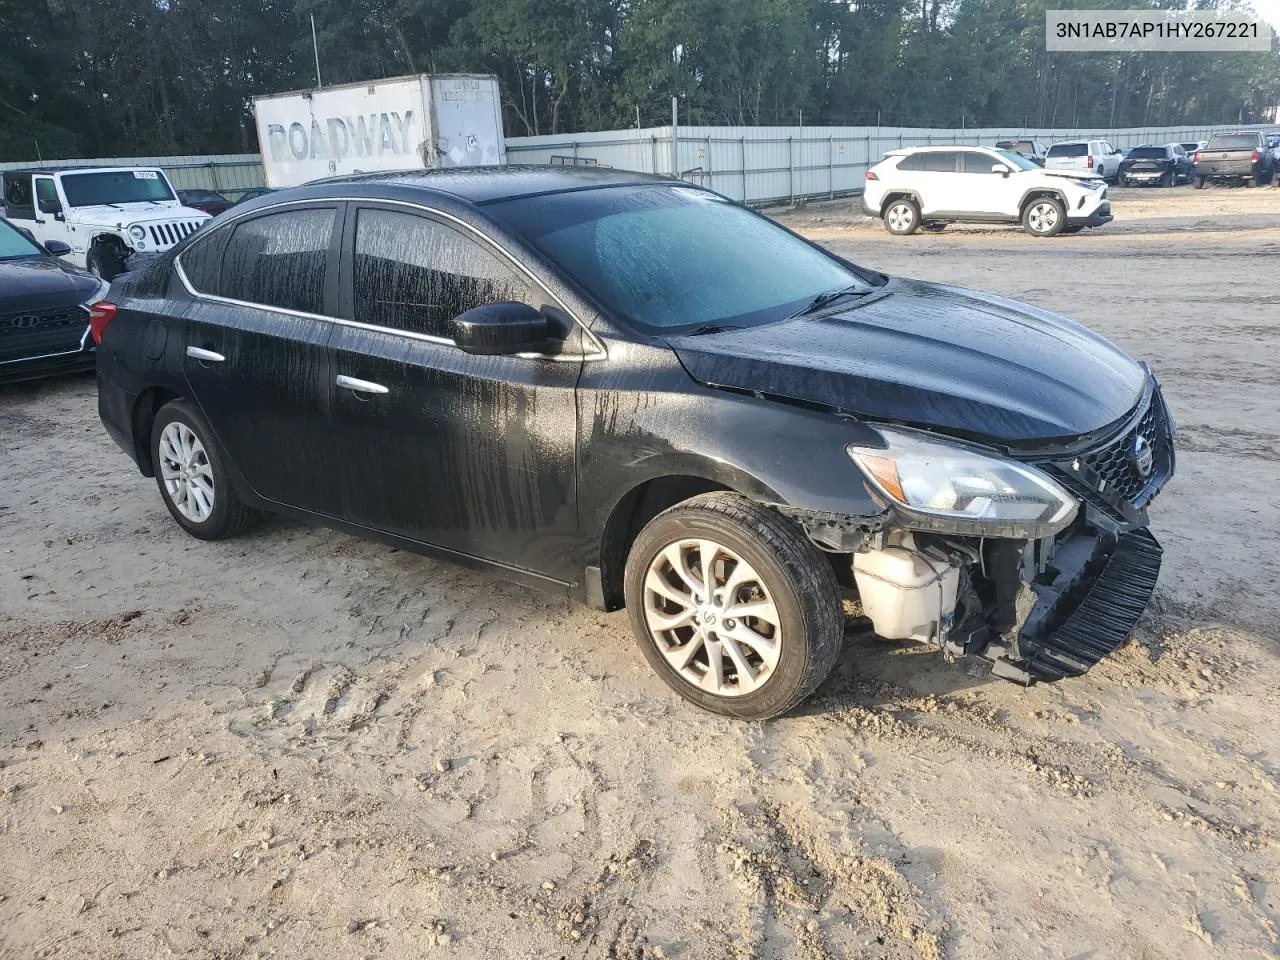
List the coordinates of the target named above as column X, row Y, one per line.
column 757, row 165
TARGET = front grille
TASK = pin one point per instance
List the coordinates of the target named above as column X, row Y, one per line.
column 167, row 234
column 35, row 333
column 1108, row 477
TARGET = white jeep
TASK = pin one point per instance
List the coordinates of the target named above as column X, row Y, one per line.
column 104, row 214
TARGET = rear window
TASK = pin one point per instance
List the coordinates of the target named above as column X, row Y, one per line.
column 1233, row 141
column 1147, row 153
column 1069, row 150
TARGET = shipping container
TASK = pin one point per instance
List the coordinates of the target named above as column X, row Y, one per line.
column 414, row 122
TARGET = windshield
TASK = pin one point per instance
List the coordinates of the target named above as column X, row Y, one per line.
column 1147, row 153
column 117, row 186
column 1233, row 141
column 14, row 244
column 1018, row 160
column 676, row 258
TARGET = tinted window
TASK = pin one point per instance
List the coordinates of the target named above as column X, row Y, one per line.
column 278, row 260
column 47, row 195
column 1233, row 141
column 415, row 274
column 17, row 197
column 667, row 257
column 943, row 161
column 1069, row 150
column 15, row 244
column 1147, row 153
column 913, row 162
column 974, row 162
column 116, row 186
column 201, row 261
column 1191, row 147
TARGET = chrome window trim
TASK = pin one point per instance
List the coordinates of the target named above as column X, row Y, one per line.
column 599, row 353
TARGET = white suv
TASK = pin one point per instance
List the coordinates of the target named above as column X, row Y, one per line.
column 104, row 215
column 1085, row 156
column 932, row 186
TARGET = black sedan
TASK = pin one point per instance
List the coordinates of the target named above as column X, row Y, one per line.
column 44, row 309
column 637, row 393
column 210, row 201
column 1162, row 165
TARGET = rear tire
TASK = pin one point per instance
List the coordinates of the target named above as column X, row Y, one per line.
column 1167, row 178
column 1044, row 217
column 192, row 476
column 1199, row 183
column 703, row 644
column 902, row 217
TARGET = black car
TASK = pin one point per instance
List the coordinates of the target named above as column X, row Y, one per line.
column 632, row 391
column 44, row 309
column 1163, row 165
column 253, row 193
column 210, row 201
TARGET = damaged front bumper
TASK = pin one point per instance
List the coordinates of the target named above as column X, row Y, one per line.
column 1037, row 610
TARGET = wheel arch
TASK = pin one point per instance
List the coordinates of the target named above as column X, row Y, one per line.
column 644, row 499
column 901, row 194
column 142, row 418
column 1035, row 193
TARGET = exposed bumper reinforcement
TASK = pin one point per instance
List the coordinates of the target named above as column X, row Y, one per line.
column 1058, row 642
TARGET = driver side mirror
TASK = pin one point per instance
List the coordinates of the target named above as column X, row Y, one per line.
column 502, row 328
column 1001, row 169
column 58, row 248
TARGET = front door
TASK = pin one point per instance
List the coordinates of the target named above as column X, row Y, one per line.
column 255, row 353
column 984, row 192
column 51, row 220
column 473, row 454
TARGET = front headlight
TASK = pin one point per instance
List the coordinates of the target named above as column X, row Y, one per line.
column 950, row 487
column 137, row 232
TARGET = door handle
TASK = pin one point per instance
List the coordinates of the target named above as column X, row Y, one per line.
column 206, row 356
column 361, row 386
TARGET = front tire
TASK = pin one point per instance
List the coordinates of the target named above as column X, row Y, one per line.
column 902, row 217
column 1044, row 217
column 104, row 262
column 734, row 608
column 191, row 474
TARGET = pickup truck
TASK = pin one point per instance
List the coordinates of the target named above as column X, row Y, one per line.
column 1241, row 157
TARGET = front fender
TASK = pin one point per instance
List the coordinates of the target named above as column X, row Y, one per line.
column 641, row 416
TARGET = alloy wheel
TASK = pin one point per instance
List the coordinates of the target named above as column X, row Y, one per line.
column 711, row 616
column 1043, row 217
column 185, row 470
column 900, row 217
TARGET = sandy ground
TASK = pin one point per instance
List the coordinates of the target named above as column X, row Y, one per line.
column 299, row 744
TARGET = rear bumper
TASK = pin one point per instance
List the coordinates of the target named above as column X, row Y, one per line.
column 115, row 407
column 867, row 208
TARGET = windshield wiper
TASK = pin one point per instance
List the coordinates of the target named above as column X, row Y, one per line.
column 830, row 297
column 712, row 328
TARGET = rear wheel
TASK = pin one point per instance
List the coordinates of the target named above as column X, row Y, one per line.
column 902, row 217
column 192, row 477
column 1044, row 217
column 733, row 606
column 1166, row 179
column 1199, row 182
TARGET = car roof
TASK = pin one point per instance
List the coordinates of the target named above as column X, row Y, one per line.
column 903, row 151
column 480, row 185
column 78, row 169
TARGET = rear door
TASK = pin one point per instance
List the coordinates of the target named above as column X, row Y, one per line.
column 255, row 356
column 941, row 186
column 473, row 454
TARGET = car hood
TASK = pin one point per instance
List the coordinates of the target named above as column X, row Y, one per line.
column 120, row 215
column 42, row 283
column 938, row 357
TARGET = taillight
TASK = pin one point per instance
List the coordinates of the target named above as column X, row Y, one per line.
column 100, row 314
column 1195, row 157
column 1256, row 156
column 871, row 175
column 1090, row 163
